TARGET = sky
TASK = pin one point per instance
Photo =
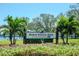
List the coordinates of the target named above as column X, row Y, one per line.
column 31, row 10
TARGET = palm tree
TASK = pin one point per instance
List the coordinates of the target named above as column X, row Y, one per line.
column 67, row 26
column 24, row 26
column 74, row 11
column 61, row 26
column 71, row 26
column 13, row 26
column 9, row 21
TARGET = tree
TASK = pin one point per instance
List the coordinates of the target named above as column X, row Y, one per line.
column 8, row 27
column 13, row 26
column 43, row 23
column 74, row 11
column 71, row 26
column 24, row 27
column 61, row 26
column 58, row 18
column 67, row 26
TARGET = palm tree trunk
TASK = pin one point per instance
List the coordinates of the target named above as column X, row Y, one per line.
column 14, row 40
column 67, row 39
column 75, row 35
column 57, row 36
column 10, row 37
column 24, row 36
column 62, row 37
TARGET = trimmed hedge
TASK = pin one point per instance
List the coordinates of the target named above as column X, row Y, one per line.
column 39, row 40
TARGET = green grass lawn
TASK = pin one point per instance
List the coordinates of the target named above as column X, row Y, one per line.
column 47, row 49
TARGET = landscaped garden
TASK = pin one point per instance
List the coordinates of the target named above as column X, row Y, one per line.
column 45, row 49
